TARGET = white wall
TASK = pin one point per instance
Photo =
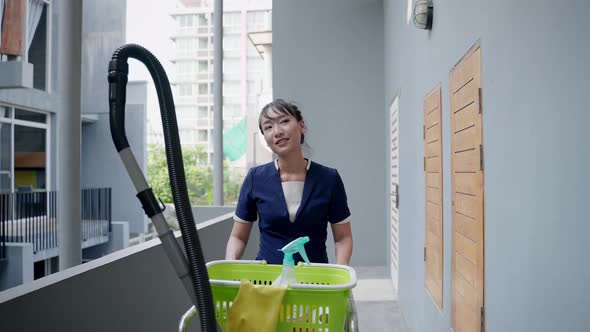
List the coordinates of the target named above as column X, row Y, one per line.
column 328, row 58
column 535, row 115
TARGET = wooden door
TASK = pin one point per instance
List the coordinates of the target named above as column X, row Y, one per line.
column 433, row 240
column 467, row 312
column 394, row 192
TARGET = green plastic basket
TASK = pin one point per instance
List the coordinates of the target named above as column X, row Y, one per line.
column 318, row 303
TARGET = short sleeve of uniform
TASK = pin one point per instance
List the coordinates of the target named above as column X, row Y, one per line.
column 246, row 210
column 339, row 212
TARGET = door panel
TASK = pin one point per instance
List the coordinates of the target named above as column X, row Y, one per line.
column 433, row 246
column 394, row 192
column 467, row 189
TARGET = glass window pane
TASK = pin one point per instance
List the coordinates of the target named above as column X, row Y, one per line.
column 30, row 116
column 5, row 157
column 203, row 67
column 202, row 19
column 203, row 89
column 29, row 158
column 4, row 112
column 203, row 112
column 202, row 135
column 203, row 43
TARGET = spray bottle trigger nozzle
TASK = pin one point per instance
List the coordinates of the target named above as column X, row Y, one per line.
column 293, row 247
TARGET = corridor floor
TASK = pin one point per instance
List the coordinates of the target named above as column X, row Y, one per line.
column 376, row 301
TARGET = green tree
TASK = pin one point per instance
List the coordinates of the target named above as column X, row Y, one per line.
column 199, row 177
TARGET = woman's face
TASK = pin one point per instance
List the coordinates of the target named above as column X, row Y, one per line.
column 282, row 133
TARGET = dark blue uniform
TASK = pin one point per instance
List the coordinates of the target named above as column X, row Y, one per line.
column 323, row 201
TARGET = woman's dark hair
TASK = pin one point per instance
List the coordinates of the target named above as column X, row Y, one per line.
column 281, row 107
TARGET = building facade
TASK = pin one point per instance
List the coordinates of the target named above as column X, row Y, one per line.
column 243, row 74
column 33, row 101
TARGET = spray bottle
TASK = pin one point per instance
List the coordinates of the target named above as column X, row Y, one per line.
column 287, row 276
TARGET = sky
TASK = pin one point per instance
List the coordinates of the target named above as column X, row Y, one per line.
column 150, row 25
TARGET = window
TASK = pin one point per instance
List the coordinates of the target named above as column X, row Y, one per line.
column 186, row 90
column 23, row 147
column 203, row 66
column 203, row 43
column 185, row 44
column 203, row 89
column 202, row 112
column 258, row 21
column 5, row 157
column 185, row 67
column 185, row 21
column 232, row 22
column 202, row 20
column 5, row 112
column 202, row 135
column 30, row 116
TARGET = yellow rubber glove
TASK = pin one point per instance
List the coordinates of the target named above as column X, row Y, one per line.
column 256, row 308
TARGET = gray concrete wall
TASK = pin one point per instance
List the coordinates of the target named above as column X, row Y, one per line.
column 118, row 240
column 102, row 167
column 29, row 98
column 134, row 289
column 328, row 58
column 534, row 73
column 18, row 266
column 103, row 31
column 204, row 213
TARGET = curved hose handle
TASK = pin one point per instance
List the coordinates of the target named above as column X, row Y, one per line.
column 118, row 71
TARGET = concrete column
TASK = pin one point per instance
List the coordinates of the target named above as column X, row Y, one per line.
column 267, row 82
column 218, row 103
column 18, row 268
column 69, row 50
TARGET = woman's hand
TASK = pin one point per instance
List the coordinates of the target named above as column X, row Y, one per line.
column 238, row 239
column 342, row 242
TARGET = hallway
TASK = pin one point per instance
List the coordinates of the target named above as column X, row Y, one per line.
column 376, row 301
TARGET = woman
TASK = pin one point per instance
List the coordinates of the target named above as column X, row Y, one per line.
column 290, row 197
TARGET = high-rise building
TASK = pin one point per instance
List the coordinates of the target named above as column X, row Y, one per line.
column 243, row 73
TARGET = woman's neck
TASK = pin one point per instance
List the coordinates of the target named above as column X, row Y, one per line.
column 292, row 168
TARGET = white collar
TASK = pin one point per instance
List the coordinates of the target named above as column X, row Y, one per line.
column 306, row 167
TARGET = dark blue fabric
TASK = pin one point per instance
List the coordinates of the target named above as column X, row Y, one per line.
column 323, row 201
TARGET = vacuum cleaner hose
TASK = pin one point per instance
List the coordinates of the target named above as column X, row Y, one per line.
column 118, row 70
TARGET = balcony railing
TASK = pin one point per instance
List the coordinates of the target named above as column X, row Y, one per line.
column 96, row 212
column 31, row 217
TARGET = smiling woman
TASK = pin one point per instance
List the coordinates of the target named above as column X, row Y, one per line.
column 290, row 197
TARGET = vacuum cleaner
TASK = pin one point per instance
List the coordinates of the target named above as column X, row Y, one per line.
column 190, row 269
